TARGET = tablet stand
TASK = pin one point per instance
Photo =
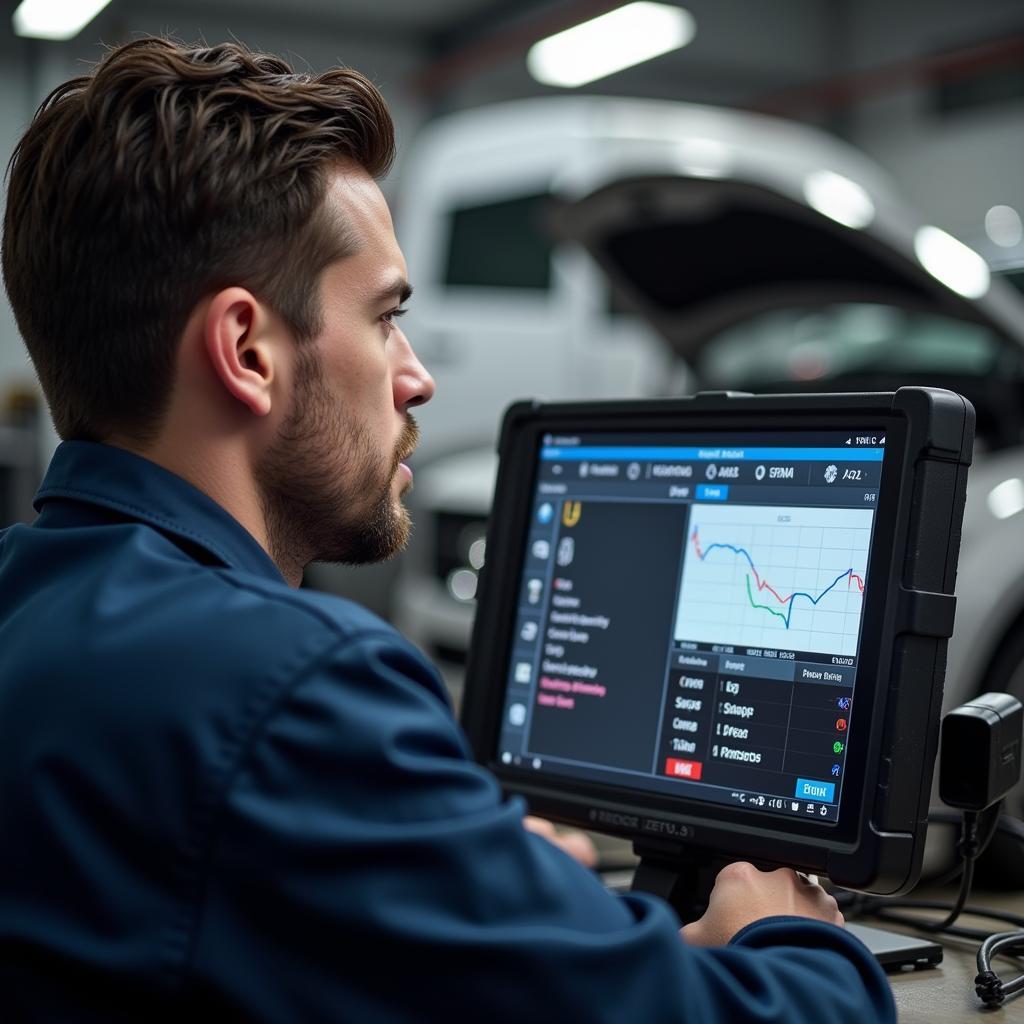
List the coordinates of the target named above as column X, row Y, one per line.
column 684, row 882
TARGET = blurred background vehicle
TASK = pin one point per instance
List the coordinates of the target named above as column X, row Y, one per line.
column 700, row 248
column 764, row 256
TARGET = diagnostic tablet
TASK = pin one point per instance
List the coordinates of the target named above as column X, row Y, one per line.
column 718, row 624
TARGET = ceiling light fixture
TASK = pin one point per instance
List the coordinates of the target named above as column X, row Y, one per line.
column 1006, row 499
column 950, row 261
column 839, row 199
column 54, row 19
column 610, row 42
column 1003, row 226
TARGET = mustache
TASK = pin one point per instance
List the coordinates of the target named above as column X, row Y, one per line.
column 407, row 441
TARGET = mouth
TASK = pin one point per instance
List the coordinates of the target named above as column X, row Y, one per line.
column 408, row 441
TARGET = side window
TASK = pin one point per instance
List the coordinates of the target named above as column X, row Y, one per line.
column 500, row 245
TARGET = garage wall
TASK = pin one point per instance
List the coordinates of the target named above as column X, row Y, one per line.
column 15, row 110
column 954, row 167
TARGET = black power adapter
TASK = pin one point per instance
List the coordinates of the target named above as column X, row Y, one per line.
column 981, row 751
column 979, row 765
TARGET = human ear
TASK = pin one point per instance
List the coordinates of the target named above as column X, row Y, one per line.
column 235, row 334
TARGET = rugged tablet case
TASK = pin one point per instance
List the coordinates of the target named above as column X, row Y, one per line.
column 931, row 433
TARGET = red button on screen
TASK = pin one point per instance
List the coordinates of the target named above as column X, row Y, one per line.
column 683, row 769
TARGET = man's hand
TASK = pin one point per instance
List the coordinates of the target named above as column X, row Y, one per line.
column 743, row 894
column 575, row 843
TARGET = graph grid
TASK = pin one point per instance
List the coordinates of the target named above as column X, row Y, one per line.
column 790, row 578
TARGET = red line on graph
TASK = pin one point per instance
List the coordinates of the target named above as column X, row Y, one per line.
column 761, row 584
column 764, row 584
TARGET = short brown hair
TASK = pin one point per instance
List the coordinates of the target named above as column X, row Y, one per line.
column 170, row 172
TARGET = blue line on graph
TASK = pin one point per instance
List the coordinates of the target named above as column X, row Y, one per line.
column 763, row 585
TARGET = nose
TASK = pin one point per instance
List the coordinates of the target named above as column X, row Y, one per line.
column 413, row 384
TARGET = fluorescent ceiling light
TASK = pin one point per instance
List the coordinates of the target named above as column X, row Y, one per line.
column 54, row 19
column 1006, row 499
column 619, row 39
column 950, row 261
column 1003, row 226
column 839, row 199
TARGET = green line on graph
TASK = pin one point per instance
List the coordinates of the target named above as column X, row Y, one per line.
column 770, row 611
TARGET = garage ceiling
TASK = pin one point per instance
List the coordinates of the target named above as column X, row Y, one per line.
column 463, row 51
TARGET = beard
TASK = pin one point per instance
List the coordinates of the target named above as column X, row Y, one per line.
column 326, row 487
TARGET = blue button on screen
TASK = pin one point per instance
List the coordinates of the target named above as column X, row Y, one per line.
column 712, row 492
column 811, row 789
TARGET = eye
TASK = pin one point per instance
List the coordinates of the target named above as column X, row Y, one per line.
column 388, row 319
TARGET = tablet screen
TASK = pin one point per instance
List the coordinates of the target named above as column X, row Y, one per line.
column 690, row 613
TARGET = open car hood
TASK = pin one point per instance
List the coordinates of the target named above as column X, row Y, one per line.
column 695, row 254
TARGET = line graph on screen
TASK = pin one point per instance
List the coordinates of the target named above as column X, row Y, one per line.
column 777, row 577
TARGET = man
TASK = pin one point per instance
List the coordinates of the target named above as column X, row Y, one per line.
column 219, row 793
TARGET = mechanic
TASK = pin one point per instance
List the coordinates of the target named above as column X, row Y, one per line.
column 220, row 793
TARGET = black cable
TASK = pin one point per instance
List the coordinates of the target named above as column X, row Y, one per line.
column 968, row 847
column 972, row 843
column 990, row 989
column 992, row 825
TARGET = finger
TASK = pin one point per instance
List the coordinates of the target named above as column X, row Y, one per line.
column 540, row 826
column 578, row 846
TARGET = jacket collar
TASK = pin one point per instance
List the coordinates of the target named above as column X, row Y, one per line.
column 99, row 475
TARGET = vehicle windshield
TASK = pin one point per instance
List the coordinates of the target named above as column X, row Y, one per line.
column 872, row 347
column 802, row 345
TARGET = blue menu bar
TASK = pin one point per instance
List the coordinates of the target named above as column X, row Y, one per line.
column 714, row 454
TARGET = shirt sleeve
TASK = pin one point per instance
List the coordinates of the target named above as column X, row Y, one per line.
column 365, row 869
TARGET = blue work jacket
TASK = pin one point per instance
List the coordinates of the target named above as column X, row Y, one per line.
column 223, row 796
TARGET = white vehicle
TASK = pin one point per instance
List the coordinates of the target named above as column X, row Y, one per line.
column 765, row 255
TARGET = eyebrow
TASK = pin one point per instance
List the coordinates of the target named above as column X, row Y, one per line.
column 399, row 288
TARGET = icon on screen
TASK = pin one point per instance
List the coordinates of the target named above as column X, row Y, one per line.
column 836, row 770
column 837, row 747
column 633, row 471
column 759, row 473
column 571, row 512
column 524, row 672
column 841, row 724
column 824, row 810
column 831, row 472
column 566, row 551
column 541, row 549
column 533, row 590
column 529, row 631
column 517, row 714
column 844, row 703
column 794, row 805
column 711, row 472
column 545, row 513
